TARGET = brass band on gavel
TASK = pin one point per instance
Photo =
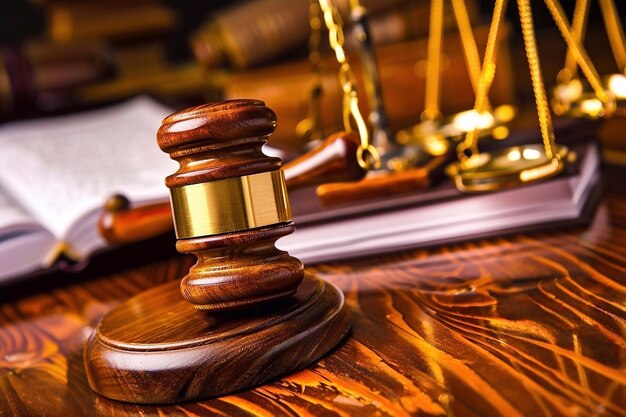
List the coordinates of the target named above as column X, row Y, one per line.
column 229, row 205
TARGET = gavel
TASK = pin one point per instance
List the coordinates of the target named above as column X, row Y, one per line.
column 246, row 312
column 334, row 160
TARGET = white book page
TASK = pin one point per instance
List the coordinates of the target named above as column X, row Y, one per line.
column 25, row 253
column 24, row 243
column 61, row 169
column 13, row 218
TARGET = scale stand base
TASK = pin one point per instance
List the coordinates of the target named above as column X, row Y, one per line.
column 506, row 168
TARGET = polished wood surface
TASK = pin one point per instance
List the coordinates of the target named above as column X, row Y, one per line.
column 527, row 325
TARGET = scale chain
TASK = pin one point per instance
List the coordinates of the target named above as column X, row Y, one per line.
column 487, row 74
column 367, row 155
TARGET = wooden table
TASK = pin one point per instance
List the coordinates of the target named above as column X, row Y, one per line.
column 531, row 325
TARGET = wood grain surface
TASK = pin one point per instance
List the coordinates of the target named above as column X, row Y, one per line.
column 529, row 325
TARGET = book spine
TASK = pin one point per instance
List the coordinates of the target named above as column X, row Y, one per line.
column 117, row 21
column 37, row 76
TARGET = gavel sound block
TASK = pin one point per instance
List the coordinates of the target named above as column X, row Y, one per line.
column 248, row 312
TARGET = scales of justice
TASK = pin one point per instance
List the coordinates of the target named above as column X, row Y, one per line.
column 247, row 313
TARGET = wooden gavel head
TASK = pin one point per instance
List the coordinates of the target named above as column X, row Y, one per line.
column 230, row 205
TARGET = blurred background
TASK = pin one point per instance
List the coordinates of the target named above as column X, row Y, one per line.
column 60, row 56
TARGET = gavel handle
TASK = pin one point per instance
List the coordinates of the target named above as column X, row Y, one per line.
column 332, row 161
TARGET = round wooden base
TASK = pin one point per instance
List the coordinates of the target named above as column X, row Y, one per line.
column 157, row 348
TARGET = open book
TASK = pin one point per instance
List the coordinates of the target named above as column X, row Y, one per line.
column 55, row 175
